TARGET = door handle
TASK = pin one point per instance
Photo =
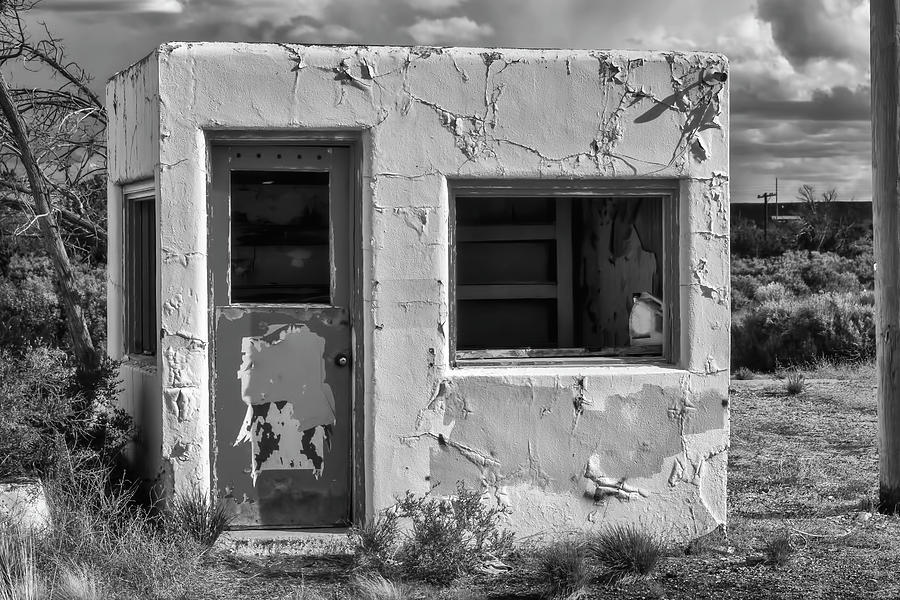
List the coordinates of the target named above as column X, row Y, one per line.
column 342, row 360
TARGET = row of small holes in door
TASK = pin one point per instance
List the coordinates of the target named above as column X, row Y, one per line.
column 278, row 156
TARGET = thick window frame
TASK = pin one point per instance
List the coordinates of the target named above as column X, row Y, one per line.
column 140, row 272
column 667, row 190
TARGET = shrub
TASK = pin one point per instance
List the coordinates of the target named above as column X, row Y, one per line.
column 797, row 273
column 47, row 406
column 748, row 239
column 30, row 309
column 563, row 570
column 449, row 537
column 771, row 291
column 800, row 331
column 626, row 551
column 196, row 516
column 742, row 373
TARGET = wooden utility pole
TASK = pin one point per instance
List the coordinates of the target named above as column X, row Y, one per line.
column 885, row 57
column 765, row 198
column 777, row 207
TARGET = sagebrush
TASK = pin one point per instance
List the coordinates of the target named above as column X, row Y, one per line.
column 803, row 330
column 444, row 537
column 48, row 408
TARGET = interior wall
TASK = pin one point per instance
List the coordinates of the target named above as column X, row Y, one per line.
column 618, row 253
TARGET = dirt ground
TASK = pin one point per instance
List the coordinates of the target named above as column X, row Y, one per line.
column 802, row 466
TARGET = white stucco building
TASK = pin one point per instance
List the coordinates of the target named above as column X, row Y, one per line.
column 337, row 273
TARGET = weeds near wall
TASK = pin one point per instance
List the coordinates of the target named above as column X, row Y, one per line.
column 449, row 537
column 376, row 543
column 196, row 516
column 626, row 552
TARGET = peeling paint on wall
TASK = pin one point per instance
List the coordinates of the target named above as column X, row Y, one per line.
column 290, row 407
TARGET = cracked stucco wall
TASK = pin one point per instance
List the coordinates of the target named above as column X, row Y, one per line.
column 560, row 446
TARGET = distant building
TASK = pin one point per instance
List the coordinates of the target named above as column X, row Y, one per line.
column 860, row 211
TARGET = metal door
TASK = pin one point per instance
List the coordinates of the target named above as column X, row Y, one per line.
column 279, row 230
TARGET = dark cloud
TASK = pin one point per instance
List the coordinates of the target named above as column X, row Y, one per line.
column 837, row 104
column 805, row 30
column 806, row 148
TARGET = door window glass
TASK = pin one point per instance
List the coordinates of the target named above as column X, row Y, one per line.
column 279, row 237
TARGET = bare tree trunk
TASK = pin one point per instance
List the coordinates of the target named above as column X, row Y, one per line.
column 885, row 56
column 81, row 338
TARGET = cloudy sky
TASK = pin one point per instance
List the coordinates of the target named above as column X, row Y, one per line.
column 800, row 68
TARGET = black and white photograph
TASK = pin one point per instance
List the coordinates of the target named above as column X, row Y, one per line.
column 449, row 299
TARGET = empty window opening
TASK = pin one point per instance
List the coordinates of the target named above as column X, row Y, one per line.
column 559, row 276
column 280, row 237
column 140, row 270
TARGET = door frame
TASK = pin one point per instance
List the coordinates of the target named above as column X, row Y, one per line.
column 352, row 139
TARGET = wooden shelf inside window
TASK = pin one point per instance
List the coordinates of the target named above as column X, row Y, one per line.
column 505, row 233
column 554, row 233
column 507, row 291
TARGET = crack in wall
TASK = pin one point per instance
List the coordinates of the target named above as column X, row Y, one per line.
column 474, row 456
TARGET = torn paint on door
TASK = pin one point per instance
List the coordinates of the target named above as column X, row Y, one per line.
column 290, row 408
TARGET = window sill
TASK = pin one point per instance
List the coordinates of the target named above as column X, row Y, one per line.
column 143, row 362
column 651, row 354
column 563, row 361
column 602, row 369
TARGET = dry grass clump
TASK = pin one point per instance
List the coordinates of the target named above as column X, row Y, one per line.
column 100, row 544
column 779, row 550
column 563, row 569
column 373, row 586
column 625, row 552
column 78, row 582
column 19, row 575
column 795, row 384
column 199, row 518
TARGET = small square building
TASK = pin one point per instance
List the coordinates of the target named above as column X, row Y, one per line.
column 338, row 273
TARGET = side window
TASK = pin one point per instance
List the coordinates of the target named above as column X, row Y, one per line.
column 140, row 269
column 559, row 275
